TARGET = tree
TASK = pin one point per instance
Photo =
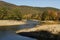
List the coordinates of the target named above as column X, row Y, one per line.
column 49, row 15
column 52, row 15
column 45, row 16
column 3, row 12
column 17, row 15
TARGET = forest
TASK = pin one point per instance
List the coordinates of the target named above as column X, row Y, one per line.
column 10, row 11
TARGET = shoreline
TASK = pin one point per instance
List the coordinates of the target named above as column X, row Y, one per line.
column 10, row 22
column 52, row 28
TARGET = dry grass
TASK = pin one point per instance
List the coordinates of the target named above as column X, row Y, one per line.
column 49, row 22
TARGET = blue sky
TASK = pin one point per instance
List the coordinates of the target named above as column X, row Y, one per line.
column 36, row 3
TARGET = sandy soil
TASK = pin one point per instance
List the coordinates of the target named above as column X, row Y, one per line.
column 10, row 22
column 55, row 28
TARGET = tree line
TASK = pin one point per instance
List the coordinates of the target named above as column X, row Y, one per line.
column 15, row 14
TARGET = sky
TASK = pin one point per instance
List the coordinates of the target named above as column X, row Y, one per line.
column 36, row 3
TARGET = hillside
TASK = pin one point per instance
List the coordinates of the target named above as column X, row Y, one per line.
column 13, row 12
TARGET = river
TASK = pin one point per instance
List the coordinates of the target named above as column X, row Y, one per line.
column 11, row 34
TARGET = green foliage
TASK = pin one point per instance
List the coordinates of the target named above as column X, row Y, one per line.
column 13, row 12
column 45, row 16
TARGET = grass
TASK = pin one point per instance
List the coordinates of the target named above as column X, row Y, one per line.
column 49, row 22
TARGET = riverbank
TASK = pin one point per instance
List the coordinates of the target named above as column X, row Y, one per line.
column 49, row 22
column 55, row 28
column 10, row 22
column 7, row 30
column 30, row 25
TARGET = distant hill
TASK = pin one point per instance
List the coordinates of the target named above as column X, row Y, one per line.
column 14, row 12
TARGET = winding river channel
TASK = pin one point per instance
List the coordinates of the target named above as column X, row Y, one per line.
column 11, row 34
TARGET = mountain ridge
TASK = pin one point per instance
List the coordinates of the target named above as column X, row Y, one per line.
column 24, row 12
column 24, row 5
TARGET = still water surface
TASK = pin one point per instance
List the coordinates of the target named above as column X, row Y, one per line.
column 11, row 35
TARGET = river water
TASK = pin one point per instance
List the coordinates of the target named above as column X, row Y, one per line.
column 29, row 24
column 11, row 34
